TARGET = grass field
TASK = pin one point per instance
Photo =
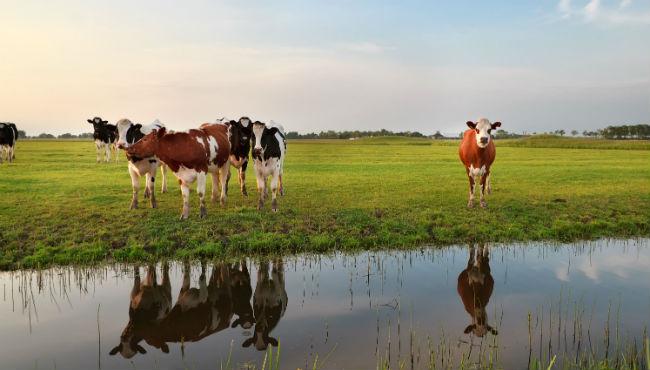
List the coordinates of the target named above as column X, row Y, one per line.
column 59, row 206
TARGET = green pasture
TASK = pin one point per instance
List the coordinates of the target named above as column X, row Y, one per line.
column 59, row 206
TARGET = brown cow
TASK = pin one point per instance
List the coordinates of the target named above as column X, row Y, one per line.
column 475, row 285
column 149, row 305
column 477, row 152
column 190, row 155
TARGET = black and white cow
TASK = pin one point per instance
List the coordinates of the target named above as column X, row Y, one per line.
column 105, row 136
column 269, row 150
column 8, row 137
column 239, row 134
column 129, row 134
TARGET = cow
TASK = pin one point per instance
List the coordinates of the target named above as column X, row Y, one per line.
column 242, row 291
column 191, row 156
column 475, row 286
column 240, row 134
column 150, row 303
column 269, row 305
column 477, row 152
column 8, row 138
column 129, row 134
column 268, row 159
column 105, row 136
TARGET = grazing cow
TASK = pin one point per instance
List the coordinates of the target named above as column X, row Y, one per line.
column 150, row 304
column 477, row 152
column 242, row 291
column 8, row 138
column 129, row 134
column 105, row 136
column 268, row 159
column 269, row 304
column 475, row 285
column 190, row 155
column 240, row 146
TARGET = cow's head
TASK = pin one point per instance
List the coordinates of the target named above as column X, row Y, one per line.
column 483, row 130
column 148, row 145
column 261, row 339
column 123, row 127
column 97, row 123
column 260, row 130
column 480, row 326
column 240, row 135
column 128, row 347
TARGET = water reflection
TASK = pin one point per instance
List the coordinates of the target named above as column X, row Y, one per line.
column 475, row 286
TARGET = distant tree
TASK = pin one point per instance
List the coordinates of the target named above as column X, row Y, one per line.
column 86, row 135
column 46, row 136
column 438, row 135
column 67, row 136
column 574, row 132
column 22, row 134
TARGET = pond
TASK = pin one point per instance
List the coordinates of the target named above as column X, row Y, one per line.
column 475, row 305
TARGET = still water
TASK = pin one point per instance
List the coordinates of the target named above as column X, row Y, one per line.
column 470, row 304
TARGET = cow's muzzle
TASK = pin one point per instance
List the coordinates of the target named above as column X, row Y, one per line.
column 121, row 146
column 257, row 152
column 484, row 140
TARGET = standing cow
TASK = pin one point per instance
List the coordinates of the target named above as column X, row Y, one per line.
column 475, row 286
column 150, row 303
column 268, row 159
column 8, row 138
column 240, row 134
column 105, row 136
column 242, row 291
column 269, row 304
column 191, row 156
column 477, row 152
column 129, row 134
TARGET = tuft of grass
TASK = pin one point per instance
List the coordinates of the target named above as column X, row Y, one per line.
column 62, row 207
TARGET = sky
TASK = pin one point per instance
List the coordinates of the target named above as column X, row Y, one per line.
column 537, row 65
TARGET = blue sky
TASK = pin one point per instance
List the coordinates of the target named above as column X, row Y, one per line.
column 400, row 65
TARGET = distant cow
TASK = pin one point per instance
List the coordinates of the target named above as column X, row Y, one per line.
column 190, row 155
column 149, row 305
column 475, row 285
column 8, row 138
column 240, row 134
column 477, row 152
column 269, row 304
column 105, row 136
column 129, row 134
column 268, row 158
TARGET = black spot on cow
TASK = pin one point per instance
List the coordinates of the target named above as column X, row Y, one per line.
column 103, row 131
column 134, row 134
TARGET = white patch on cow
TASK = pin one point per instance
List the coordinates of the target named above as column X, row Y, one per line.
column 214, row 147
column 483, row 126
column 258, row 130
column 200, row 141
column 476, row 171
column 123, row 126
column 187, row 175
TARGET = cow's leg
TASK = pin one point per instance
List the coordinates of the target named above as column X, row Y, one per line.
column 135, row 184
column 483, row 183
column 2, row 152
column 10, row 153
column 489, row 183
column 275, row 179
column 99, row 150
column 163, row 174
column 203, row 287
column 224, row 175
column 147, row 180
column 470, row 203
column 117, row 153
column 215, row 187
column 281, row 186
column 185, row 191
column 150, row 279
column 201, row 179
column 261, row 189
column 107, row 148
column 152, row 184
column 166, row 282
column 136, row 281
column 242, row 179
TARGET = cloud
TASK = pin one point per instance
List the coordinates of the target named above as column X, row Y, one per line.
column 365, row 47
column 594, row 11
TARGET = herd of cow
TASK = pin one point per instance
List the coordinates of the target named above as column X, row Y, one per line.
column 191, row 155
column 223, row 302
column 213, row 147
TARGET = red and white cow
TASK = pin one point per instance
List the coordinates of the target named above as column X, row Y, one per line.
column 477, row 152
column 475, row 286
column 191, row 156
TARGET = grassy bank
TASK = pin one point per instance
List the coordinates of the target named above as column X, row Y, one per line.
column 59, row 206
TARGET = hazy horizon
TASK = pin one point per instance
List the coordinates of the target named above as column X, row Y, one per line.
column 408, row 66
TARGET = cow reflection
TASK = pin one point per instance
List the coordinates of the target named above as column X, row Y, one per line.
column 475, row 285
column 269, row 304
column 242, row 291
column 150, row 304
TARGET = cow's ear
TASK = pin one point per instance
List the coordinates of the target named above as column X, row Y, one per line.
column 247, row 343
column 495, row 125
column 235, row 323
column 90, row 121
column 140, row 349
column 273, row 342
column 115, row 350
column 104, row 122
column 164, row 348
column 471, row 124
column 468, row 329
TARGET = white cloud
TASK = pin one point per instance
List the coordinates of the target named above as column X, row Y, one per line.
column 594, row 11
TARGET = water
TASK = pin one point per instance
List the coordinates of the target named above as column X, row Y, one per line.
column 353, row 310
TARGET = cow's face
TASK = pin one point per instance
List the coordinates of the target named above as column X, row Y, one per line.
column 98, row 123
column 261, row 341
column 483, row 130
column 148, row 145
column 258, row 131
column 123, row 126
column 128, row 348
